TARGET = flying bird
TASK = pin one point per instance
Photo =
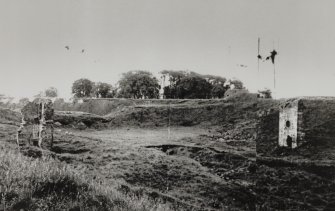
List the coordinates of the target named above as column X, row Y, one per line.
column 242, row 65
column 83, row 50
column 67, row 47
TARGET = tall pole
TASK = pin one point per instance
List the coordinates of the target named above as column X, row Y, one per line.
column 274, row 53
column 274, row 82
column 259, row 41
column 274, row 76
column 169, row 130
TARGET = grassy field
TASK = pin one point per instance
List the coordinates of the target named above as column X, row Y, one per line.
column 130, row 159
column 189, row 169
column 134, row 161
column 131, row 169
column 47, row 184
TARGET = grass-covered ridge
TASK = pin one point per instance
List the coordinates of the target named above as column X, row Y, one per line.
column 47, row 184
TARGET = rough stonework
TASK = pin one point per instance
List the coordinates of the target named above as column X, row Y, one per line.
column 306, row 119
column 288, row 124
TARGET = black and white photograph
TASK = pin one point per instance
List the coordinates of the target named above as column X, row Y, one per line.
column 167, row 105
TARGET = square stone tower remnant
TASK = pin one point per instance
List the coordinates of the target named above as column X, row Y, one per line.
column 288, row 124
column 302, row 120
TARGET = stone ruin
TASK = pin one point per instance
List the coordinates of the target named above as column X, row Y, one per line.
column 288, row 124
column 303, row 120
column 37, row 117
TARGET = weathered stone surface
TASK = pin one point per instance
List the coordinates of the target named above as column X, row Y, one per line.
column 305, row 119
column 288, row 124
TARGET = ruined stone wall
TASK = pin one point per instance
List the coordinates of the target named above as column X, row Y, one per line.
column 288, row 124
column 309, row 119
column 315, row 124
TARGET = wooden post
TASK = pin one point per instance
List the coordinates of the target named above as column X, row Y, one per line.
column 41, row 126
column 169, row 132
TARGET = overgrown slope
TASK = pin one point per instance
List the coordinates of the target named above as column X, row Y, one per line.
column 47, row 184
column 155, row 113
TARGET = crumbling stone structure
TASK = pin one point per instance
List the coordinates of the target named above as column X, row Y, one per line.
column 288, row 124
column 303, row 120
column 37, row 116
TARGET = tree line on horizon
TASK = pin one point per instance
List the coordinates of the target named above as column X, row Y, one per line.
column 144, row 85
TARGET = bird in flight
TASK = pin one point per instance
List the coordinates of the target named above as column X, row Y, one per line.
column 67, row 47
column 83, row 50
column 242, row 65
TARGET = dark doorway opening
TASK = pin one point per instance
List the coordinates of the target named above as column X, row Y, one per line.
column 288, row 123
column 289, row 141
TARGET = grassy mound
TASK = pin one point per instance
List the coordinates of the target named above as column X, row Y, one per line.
column 47, row 184
column 157, row 113
column 105, row 106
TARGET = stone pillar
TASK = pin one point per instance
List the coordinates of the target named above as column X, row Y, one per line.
column 288, row 124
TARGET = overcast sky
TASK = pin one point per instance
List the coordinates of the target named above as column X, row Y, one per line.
column 205, row 36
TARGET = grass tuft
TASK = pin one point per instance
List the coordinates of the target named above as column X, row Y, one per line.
column 47, row 184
